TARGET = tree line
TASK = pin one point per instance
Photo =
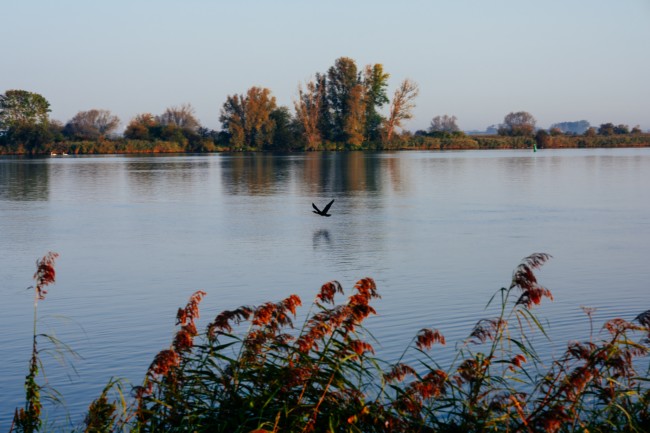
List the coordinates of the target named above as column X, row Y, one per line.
column 339, row 109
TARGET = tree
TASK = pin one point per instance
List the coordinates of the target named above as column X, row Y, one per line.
column 542, row 138
column 140, row 126
column 577, row 127
column 91, row 124
column 521, row 123
column 341, row 79
column 401, row 108
column 621, row 129
column 283, row 132
column 20, row 108
column 308, row 112
column 355, row 120
column 248, row 118
column 375, row 81
column 181, row 117
column 444, row 124
column 606, row 129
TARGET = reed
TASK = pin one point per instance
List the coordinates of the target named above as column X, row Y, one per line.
column 253, row 371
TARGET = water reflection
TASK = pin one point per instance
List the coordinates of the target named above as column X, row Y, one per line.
column 254, row 174
column 23, row 179
column 318, row 173
column 152, row 178
column 321, row 239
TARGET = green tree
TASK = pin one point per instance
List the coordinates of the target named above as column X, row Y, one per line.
column 542, row 138
column 248, row 119
column 521, row 123
column 92, row 124
column 325, row 121
column 342, row 78
column 283, row 133
column 20, row 108
column 606, row 129
column 24, row 121
column 621, row 129
column 375, row 81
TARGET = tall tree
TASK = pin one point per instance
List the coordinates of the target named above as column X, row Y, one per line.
column 92, row 124
column 283, row 132
column 355, row 120
column 308, row 112
column 341, row 79
column 521, row 123
column 325, row 121
column 401, row 108
column 20, row 108
column 444, row 124
column 375, row 81
column 248, row 118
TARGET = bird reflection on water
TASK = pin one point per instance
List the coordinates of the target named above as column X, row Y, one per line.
column 321, row 238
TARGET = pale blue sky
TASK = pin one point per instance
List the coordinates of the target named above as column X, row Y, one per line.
column 561, row 60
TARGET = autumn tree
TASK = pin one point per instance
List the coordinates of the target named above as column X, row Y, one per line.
column 401, row 108
column 308, row 109
column 444, row 123
column 139, row 127
column 354, row 126
column 91, row 124
column 247, row 119
column 521, row 123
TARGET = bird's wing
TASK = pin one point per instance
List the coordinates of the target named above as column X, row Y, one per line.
column 328, row 206
column 314, row 206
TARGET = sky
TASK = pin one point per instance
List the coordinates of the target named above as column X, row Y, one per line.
column 560, row 60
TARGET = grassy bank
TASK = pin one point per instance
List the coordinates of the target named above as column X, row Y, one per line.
column 406, row 142
column 252, row 371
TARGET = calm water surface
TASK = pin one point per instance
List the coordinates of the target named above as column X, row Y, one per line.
column 439, row 232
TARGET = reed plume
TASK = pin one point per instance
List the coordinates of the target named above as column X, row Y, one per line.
column 28, row 419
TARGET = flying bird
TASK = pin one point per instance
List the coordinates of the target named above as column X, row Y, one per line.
column 324, row 211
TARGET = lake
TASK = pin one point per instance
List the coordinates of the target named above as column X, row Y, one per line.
column 439, row 232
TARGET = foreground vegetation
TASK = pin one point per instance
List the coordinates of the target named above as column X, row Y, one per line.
column 252, row 371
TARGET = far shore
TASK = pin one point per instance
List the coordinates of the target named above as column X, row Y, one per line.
column 405, row 142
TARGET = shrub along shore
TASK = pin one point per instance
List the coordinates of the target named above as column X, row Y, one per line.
column 403, row 142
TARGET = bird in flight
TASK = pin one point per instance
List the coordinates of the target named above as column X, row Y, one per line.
column 324, row 211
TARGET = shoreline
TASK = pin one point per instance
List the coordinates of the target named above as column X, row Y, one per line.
column 418, row 142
